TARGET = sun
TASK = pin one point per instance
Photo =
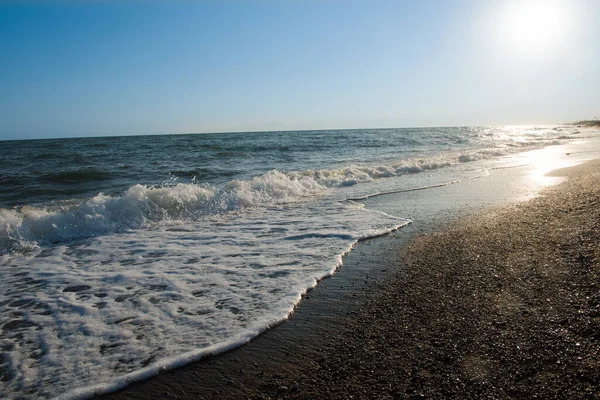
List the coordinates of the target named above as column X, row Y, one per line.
column 534, row 27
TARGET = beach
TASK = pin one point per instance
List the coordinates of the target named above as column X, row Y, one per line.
column 503, row 304
column 104, row 289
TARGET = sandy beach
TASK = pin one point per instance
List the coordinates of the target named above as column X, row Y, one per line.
column 503, row 304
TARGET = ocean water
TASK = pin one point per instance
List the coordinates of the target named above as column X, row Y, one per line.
column 123, row 256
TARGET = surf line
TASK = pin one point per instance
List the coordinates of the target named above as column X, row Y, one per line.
column 369, row 196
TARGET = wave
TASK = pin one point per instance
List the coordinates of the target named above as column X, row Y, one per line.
column 481, row 155
column 141, row 206
column 370, row 196
column 260, row 323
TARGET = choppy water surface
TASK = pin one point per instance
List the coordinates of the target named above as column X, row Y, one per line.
column 121, row 256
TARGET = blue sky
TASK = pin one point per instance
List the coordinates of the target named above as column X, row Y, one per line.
column 92, row 68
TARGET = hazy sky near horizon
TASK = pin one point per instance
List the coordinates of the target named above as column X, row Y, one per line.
column 95, row 68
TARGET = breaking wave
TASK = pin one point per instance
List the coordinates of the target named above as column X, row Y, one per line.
column 141, row 205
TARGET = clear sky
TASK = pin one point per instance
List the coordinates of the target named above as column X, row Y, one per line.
column 89, row 68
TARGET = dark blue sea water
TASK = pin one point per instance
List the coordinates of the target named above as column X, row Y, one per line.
column 41, row 171
column 124, row 255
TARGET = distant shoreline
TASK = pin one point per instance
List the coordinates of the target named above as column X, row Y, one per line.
column 588, row 123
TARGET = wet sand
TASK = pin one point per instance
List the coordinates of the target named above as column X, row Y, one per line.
column 503, row 304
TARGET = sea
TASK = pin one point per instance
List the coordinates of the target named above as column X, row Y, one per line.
column 124, row 256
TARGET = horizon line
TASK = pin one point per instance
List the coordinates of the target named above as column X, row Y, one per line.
column 99, row 136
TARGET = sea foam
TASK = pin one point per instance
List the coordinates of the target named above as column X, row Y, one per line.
column 142, row 206
column 115, row 307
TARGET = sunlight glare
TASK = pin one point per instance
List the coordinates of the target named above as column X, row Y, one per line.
column 534, row 27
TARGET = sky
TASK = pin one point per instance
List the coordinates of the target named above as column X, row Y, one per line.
column 98, row 68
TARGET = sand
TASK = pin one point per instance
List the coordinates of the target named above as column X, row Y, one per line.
column 503, row 304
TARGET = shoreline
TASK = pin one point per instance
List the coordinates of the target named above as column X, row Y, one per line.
column 362, row 341
column 300, row 339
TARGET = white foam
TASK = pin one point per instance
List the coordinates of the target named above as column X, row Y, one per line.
column 114, row 308
column 141, row 206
